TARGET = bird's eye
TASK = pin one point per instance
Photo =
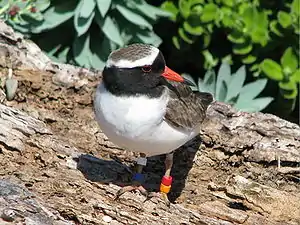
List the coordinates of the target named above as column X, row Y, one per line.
column 146, row 69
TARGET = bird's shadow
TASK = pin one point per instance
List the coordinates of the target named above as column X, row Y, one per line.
column 116, row 172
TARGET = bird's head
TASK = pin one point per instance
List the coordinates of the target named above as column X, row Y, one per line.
column 137, row 69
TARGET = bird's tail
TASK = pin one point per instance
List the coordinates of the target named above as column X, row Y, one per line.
column 206, row 98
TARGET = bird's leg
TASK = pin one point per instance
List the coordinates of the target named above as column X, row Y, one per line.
column 166, row 181
column 137, row 179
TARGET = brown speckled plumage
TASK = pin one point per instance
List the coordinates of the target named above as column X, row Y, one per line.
column 132, row 52
column 185, row 108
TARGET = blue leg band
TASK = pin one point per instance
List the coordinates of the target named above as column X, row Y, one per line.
column 138, row 177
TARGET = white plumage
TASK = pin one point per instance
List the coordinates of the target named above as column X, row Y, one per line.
column 137, row 122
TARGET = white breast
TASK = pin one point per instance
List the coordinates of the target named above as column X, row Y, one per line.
column 136, row 123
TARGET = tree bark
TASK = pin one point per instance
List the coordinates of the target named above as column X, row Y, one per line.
column 50, row 178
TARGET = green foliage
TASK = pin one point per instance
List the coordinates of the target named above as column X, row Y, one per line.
column 249, row 27
column 84, row 32
column 18, row 13
column 231, row 89
column 260, row 34
column 287, row 73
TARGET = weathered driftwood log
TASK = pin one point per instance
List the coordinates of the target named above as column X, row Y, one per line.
column 257, row 137
column 19, row 206
column 40, row 151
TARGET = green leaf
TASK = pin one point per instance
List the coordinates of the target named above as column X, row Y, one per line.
column 274, row 28
column 194, row 19
column 209, row 12
column 20, row 4
column 229, row 3
column 254, row 105
column 289, row 61
column 151, row 11
column 49, row 42
column 207, row 41
column 292, row 94
column 103, row 6
column 284, row 19
column 223, row 79
column 227, row 17
column 209, row 59
column 175, row 41
column 133, row 17
column 236, row 37
column 34, row 19
column 193, row 30
column 248, row 17
column 252, row 90
column 149, row 38
column 184, row 8
column 236, row 83
column 271, row 69
column 188, row 7
column 256, row 24
column 242, row 49
column 81, row 50
column 53, row 51
column 254, row 68
column 87, row 8
column 62, row 56
column 260, row 36
column 169, row 6
column 185, row 36
column 41, row 5
column 102, row 47
column 4, row 6
column 249, row 59
column 295, row 7
column 82, row 24
column 227, row 59
column 256, row 73
column 110, row 29
column 127, row 29
column 194, row 5
column 296, row 76
column 56, row 15
column 296, row 28
column 222, row 92
column 96, row 61
column 100, row 51
column 289, row 85
column 208, row 84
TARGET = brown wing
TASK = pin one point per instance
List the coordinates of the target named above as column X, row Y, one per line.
column 185, row 108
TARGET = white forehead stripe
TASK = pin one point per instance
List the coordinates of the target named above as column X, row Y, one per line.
column 124, row 63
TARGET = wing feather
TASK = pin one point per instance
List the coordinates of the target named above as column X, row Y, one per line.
column 185, row 108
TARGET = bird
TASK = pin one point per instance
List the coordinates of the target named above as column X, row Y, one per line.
column 143, row 106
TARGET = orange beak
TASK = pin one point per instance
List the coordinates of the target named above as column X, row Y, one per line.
column 172, row 75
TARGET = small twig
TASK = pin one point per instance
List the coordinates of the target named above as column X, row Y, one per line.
column 10, row 73
column 278, row 162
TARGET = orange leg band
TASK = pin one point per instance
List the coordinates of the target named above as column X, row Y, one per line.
column 165, row 189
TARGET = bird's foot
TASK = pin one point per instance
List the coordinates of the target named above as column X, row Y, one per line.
column 138, row 178
column 129, row 188
column 161, row 196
